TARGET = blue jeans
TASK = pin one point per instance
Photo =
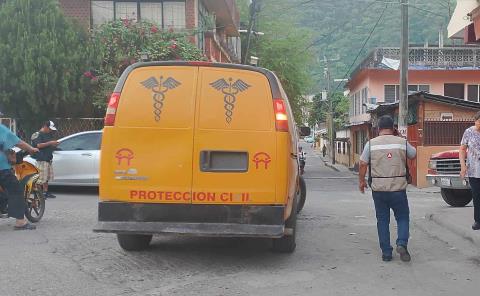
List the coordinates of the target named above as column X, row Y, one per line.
column 397, row 201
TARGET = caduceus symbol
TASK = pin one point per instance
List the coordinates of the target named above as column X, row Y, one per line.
column 230, row 91
column 159, row 88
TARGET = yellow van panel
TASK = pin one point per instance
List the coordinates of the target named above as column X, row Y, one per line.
column 159, row 171
column 147, row 155
column 255, row 186
column 233, row 99
column 158, row 97
column 235, row 115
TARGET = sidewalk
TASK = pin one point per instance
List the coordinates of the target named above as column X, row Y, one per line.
column 457, row 220
column 337, row 167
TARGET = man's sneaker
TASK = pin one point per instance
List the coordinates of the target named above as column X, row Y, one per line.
column 387, row 258
column 476, row 226
column 49, row 195
column 404, row 254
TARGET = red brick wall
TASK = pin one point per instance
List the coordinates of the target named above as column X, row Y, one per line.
column 77, row 9
column 190, row 14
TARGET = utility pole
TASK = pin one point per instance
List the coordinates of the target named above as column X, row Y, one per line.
column 330, row 108
column 254, row 10
column 404, row 54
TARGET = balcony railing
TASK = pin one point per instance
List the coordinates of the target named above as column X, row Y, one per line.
column 425, row 58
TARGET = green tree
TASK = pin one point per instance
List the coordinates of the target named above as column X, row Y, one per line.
column 119, row 44
column 283, row 50
column 321, row 109
column 42, row 61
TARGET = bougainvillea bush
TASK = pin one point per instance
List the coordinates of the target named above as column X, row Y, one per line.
column 118, row 44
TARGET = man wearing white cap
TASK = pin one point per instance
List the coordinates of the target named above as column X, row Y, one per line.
column 44, row 140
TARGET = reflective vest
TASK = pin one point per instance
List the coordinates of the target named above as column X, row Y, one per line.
column 388, row 163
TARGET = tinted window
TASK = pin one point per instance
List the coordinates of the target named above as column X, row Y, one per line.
column 454, row 90
column 82, row 142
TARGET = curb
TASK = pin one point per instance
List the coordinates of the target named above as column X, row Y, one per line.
column 466, row 234
column 331, row 166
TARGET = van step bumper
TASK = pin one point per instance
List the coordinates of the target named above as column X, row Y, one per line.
column 198, row 220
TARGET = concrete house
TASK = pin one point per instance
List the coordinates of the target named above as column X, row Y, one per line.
column 214, row 24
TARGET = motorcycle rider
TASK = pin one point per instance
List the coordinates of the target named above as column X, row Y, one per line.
column 8, row 180
column 302, row 159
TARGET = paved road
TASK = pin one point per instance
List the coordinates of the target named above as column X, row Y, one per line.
column 337, row 253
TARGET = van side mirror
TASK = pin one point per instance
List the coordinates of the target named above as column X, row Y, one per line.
column 305, row 131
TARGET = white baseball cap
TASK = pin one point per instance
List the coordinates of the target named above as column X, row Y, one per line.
column 51, row 125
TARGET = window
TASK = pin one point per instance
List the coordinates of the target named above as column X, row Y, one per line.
column 202, row 15
column 174, row 15
column 419, row 87
column 102, row 12
column 358, row 103
column 392, row 92
column 364, row 99
column 454, row 90
column 151, row 12
column 126, row 11
column 81, row 142
column 167, row 14
column 473, row 93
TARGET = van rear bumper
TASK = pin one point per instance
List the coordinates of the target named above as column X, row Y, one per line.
column 198, row 220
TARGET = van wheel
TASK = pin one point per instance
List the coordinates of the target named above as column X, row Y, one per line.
column 287, row 244
column 302, row 195
column 456, row 197
column 134, row 242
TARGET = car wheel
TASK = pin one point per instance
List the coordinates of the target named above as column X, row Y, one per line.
column 287, row 243
column 456, row 197
column 302, row 195
column 134, row 242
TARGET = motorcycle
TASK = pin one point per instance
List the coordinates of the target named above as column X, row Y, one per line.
column 302, row 160
column 28, row 175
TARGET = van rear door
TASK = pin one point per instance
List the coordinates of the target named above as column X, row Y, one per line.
column 234, row 158
column 147, row 154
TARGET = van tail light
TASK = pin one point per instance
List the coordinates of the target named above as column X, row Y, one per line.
column 112, row 109
column 281, row 117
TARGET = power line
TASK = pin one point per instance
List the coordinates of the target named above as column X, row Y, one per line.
column 363, row 47
column 427, row 11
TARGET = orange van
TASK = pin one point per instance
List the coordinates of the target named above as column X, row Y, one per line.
column 198, row 148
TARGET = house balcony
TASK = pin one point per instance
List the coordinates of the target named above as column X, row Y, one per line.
column 226, row 13
column 220, row 49
column 423, row 58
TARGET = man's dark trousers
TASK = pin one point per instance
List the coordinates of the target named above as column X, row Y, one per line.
column 16, row 202
column 475, row 186
column 398, row 202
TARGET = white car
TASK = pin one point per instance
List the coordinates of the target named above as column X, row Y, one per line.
column 309, row 139
column 76, row 160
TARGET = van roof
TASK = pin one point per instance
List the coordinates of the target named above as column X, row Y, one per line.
column 272, row 78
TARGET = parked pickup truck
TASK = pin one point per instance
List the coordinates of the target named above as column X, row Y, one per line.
column 444, row 172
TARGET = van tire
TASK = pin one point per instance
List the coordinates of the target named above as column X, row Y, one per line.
column 134, row 242
column 456, row 197
column 287, row 243
column 303, row 194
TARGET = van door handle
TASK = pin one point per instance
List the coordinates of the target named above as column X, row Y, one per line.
column 293, row 155
column 86, row 154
